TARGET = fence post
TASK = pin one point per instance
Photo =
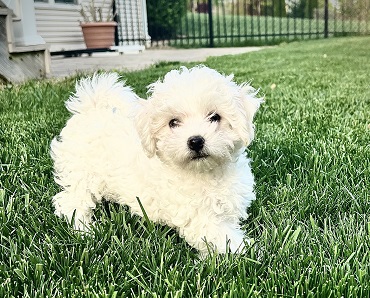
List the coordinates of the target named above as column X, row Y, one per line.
column 116, row 38
column 210, row 20
column 326, row 16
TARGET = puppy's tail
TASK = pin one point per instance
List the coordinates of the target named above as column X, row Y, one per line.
column 101, row 91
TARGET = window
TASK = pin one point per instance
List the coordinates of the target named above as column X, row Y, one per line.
column 58, row 1
column 66, row 1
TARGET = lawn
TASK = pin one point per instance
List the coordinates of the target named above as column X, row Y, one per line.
column 310, row 223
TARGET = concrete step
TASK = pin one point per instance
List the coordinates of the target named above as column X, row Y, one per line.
column 20, row 63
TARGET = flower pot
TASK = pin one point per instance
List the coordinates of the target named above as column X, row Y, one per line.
column 98, row 35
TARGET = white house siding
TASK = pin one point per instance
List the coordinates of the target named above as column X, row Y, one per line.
column 59, row 25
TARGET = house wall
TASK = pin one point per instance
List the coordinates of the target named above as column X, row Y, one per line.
column 59, row 25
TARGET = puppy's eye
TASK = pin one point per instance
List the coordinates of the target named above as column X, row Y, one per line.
column 214, row 117
column 174, row 123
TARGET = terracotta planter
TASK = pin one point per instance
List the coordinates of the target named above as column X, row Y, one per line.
column 98, row 35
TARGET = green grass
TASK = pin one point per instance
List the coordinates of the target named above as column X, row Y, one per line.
column 310, row 223
column 240, row 30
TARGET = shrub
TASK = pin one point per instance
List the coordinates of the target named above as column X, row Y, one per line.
column 303, row 8
column 164, row 17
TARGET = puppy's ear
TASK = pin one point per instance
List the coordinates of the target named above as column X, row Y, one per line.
column 144, row 129
column 248, row 104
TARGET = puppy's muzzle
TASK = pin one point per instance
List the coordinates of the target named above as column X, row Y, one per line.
column 196, row 143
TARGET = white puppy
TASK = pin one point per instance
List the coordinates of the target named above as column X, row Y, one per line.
column 181, row 152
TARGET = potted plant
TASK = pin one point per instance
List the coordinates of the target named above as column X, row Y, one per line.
column 98, row 25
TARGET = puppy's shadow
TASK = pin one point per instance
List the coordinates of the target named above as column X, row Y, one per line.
column 118, row 220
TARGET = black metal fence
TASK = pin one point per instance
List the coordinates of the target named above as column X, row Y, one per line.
column 190, row 23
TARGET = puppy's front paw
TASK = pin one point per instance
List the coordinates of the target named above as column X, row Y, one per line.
column 224, row 239
column 77, row 214
column 238, row 245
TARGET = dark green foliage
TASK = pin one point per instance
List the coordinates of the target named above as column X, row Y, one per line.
column 303, row 8
column 278, row 8
column 268, row 8
column 164, row 17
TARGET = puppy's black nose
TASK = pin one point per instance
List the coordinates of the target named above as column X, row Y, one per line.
column 196, row 143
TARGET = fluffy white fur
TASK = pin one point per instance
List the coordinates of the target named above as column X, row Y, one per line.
column 119, row 147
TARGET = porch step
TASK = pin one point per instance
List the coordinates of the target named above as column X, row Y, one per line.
column 19, row 63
